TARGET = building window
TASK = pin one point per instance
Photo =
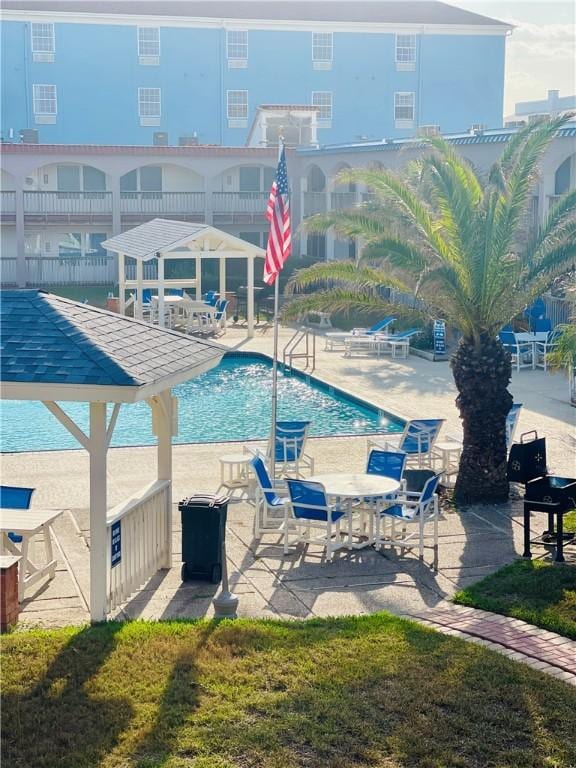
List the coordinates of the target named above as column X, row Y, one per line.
column 237, row 48
column 43, row 42
column 323, row 99
column 149, row 45
column 237, row 109
column 404, row 110
column 45, row 104
column 322, row 50
column 405, row 52
column 149, row 107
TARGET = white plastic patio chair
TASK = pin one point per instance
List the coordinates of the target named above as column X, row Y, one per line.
column 417, row 441
column 310, row 511
column 270, row 499
column 412, row 509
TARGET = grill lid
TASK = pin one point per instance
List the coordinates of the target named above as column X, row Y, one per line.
column 527, row 460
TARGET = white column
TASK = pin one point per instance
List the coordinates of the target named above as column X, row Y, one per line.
column 139, row 289
column 21, row 271
column 263, row 131
column 198, row 278
column 250, row 297
column 165, row 459
column 222, row 280
column 98, row 509
column 122, row 283
column 160, row 259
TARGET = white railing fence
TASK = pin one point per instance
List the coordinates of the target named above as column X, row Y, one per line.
column 145, row 540
column 240, row 202
column 55, row 270
column 558, row 310
column 7, row 201
column 47, row 202
column 162, row 202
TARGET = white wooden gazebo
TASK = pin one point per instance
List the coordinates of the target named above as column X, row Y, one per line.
column 163, row 239
column 56, row 350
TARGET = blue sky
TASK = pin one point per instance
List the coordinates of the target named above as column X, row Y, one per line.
column 541, row 52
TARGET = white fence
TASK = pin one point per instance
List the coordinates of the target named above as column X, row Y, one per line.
column 183, row 203
column 142, row 531
column 558, row 310
column 53, row 270
column 68, row 203
column 240, row 202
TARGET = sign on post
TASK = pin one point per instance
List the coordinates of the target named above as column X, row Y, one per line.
column 439, row 337
column 116, row 543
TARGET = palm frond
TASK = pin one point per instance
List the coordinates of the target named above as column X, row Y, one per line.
column 338, row 300
column 330, row 273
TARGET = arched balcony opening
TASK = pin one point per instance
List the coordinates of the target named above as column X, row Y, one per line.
column 315, row 191
column 240, row 194
column 164, row 190
column 79, row 192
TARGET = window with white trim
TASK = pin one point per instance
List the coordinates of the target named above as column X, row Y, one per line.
column 149, row 104
column 44, row 103
column 404, row 109
column 149, row 45
column 237, row 45
column 322, row 49
column 42, row 42
column 406, row 51
column 323, row 99
column 237, row 108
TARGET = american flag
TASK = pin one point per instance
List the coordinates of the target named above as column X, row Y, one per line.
column 278, row 214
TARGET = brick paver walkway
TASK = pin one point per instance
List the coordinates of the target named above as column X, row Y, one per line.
column 540, row 649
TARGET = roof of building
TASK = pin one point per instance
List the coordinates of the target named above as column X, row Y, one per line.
column 209, row 150
column 156, row 236
column 359, row 11
column 47, row 339
column 164, row 235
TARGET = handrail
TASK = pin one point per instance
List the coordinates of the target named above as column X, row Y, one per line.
column 289, row 353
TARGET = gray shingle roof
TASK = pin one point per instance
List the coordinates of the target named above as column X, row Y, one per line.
column 354, row 11
column 146, row 240
column 51, row 340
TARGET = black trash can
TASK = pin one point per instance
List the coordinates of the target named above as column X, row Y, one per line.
column 416, row 479
column 203, row 530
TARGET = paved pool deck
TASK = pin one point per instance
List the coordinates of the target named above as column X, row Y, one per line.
column 473, row 542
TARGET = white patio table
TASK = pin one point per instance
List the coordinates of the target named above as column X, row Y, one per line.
column 195, row 311
column 350, row 486
column 27, row 523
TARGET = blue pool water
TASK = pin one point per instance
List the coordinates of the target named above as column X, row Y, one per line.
column 230, row 402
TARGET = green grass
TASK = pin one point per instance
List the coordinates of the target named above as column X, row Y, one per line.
column 95, row 294
column 373, row 691
column 535, row 591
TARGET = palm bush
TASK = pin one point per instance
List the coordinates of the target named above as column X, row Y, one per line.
column 462, row 244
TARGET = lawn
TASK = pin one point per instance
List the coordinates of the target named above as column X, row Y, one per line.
column 372, row 691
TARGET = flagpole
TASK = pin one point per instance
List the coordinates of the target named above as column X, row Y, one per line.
column 275, row 359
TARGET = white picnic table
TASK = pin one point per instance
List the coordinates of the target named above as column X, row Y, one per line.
column 27, row 523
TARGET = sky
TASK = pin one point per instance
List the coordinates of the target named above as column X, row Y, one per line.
column 541, row 52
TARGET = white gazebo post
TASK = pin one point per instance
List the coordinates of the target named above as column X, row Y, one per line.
column 161, row 319
column 121, row 284
column 98, row 510
column 139, row 289
column 250, row 297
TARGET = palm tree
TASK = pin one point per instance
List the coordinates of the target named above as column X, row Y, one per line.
column 462, row 243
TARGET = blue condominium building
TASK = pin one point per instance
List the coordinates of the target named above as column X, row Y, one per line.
column 183, row 72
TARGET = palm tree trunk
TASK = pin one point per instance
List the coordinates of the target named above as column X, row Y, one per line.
column 482, row 372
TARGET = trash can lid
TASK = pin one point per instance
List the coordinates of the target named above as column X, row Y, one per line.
column 205, row 499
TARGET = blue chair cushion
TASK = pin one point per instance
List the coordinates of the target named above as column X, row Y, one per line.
column 318, row 514
column 397, row 510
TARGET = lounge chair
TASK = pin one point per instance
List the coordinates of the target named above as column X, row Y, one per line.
column 309, row 510
column 270, row 504
column 337, row 339
column 13, row 497
column 417, row 441
column 397, row 344
column 412, row 509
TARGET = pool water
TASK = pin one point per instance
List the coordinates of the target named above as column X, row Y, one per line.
column 230, row 402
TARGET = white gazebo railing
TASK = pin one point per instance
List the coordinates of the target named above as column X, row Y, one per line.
column 139, row 533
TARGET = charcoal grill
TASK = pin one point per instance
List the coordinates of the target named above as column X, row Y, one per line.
column 542, row 492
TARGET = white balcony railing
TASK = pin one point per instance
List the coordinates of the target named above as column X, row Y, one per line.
column 144, row 532
column 55, row 270
column 342, row 200
column 314, row 202
column 7, row 202
column 183, row 203
column 240, row 202
column 67, row 203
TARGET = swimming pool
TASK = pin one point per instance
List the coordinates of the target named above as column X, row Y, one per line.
column 230, row 402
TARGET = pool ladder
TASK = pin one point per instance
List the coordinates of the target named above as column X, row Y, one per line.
column 302, row 346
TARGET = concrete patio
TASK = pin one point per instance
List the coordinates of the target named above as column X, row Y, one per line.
column 473, row 542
